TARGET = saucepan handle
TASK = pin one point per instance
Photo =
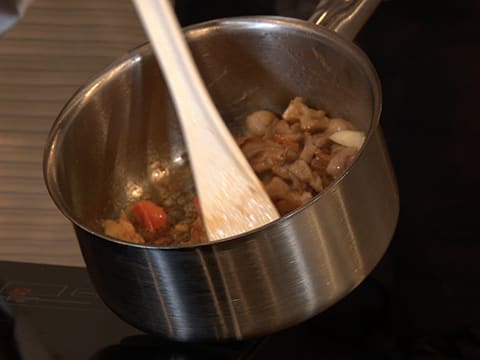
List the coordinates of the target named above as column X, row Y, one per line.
column 345, row 17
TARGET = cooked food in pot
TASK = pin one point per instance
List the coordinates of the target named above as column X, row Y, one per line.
column 295, row 155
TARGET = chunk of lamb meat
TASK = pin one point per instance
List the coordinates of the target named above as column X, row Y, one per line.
column 302, row 171
column 340, row 160
column 258, row 122
column 310, row 119
column 284, row 198
column 320, row 161
column 320, row 139
column 263, row 154
column 276, row 188
column 285, row 173
column 290, row 132
column 292, row 200
column 309, row 149
column 122, row 229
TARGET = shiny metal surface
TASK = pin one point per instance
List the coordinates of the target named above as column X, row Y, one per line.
column 345, row 17
column 119, row 134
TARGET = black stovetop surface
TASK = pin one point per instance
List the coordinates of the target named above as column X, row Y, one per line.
column 422, row 301
column 51, row 312
column 58, row 315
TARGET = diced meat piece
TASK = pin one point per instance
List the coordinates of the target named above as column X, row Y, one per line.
column 270, row 131
column 301, row 170
column 316, row 182
column 263, row 154
column 305, row 197
column 258, row 122
column 282, row 127
column 291, row 154
column 122, row 229
column 295, row 110
column 295, row 183
column 291, row 201
column 277, row 188
column 240, row 140
column 320, row 162
column 309, row 123
column 300, row 175
column 285, row 173
column 320, row 139
column 293, row 133
column 281, row 171
column 310, row 119
column 285, row 206
column 309, row 149
column 340, row 161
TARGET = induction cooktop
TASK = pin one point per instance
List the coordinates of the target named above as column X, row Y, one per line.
column 52, row 312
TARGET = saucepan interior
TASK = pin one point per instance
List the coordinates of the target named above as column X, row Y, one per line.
column 119, row 140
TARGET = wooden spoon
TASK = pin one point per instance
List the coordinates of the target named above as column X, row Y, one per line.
column 231, row 196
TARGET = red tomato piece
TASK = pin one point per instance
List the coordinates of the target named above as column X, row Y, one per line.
column 151, row 216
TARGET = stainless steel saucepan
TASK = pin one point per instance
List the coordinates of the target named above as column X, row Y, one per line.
column 119, row 134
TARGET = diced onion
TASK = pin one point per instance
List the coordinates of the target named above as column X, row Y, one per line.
column 349, row 138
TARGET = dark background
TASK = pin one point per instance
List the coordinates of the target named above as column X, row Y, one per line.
column 427, row 54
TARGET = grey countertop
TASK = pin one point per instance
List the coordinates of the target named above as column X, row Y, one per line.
column 55, row 48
